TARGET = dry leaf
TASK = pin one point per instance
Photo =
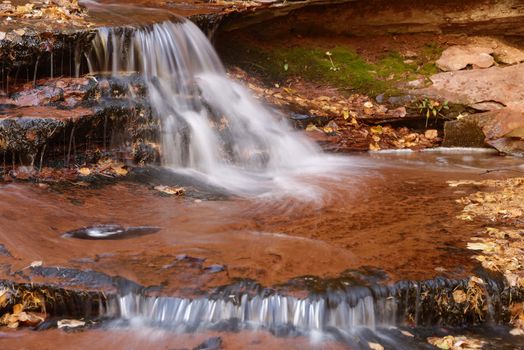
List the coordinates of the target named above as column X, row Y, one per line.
column 407, row 334
column 37, row 263
column 459, row 296
column 84, row 171
column 170, row 190
column 70, row 323
column 375, row 346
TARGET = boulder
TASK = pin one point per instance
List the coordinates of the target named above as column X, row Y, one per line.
column 459, row 57
column 483, row 89
column 502, row 129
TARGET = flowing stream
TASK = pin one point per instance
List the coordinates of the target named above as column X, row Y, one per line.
column 324, row 224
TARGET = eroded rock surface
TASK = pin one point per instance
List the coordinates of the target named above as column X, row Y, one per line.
column 484, row 89
column 459, row 57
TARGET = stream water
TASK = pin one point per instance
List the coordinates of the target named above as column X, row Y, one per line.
column 386, row 218
column 306, row 250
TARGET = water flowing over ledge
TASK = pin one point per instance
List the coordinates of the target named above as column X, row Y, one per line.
column 210, row 125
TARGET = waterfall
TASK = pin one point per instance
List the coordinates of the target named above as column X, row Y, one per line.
column 210, row 125
column 273, row 312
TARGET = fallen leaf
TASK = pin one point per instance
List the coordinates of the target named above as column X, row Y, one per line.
column 516, row 331
column 407, row 334
column 37, row 263
column 431, row 134
column 84, row 171
column 459, row 296
column 4, row 297
column 70, row 323
column 170, row 190
column 375, row 346
column 18, row 308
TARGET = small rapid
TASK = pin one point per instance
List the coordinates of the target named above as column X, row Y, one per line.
column 211, row 127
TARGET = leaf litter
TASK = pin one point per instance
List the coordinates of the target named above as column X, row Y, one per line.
column 499, row 204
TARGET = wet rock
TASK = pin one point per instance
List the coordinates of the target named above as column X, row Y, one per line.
column 301, row 121
column 215, row 268
column 85, row 278
column 4, row 251
column 194, row 187
column 214, row 343
column 459, row 57
column 502, row 129
column 110, row 232
column 465, row 132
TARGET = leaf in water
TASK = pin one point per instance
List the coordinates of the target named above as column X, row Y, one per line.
column 170, row 190
column 37, row 263
column 516, row 331
column 375, row 346
column 70, row 323
column 407, row 334
column 480, row 246
column 286, row 67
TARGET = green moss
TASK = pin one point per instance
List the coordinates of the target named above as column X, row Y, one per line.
column 343, row 68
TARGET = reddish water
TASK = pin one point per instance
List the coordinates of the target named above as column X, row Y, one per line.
column 395, row 213
column 392, row 212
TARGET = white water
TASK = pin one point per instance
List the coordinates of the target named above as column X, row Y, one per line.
column 211, row 126
column 307, row 316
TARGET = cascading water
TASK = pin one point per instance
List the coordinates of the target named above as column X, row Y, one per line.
column 211, row 126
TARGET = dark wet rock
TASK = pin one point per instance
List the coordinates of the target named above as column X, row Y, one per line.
column 59, row 301
column 465, row 132
column 4, row 251
column 301, row 121
column 194, row 187
column 190, row 259
column 78, row 121
column 88, row 278
column 111, row 232
column 215, row 268
column 502, row 129
column 214, row 343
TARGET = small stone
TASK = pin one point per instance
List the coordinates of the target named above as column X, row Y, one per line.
column 368, row 104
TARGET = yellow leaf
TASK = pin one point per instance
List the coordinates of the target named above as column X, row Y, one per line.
column 376, row 129
column 18, row 308
column 170, row 190
column 120, row 171
column 374, row 147
column 345, row 114
column 312, row 127
column 84, row 171
column 375, row 346
column 459, row 296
